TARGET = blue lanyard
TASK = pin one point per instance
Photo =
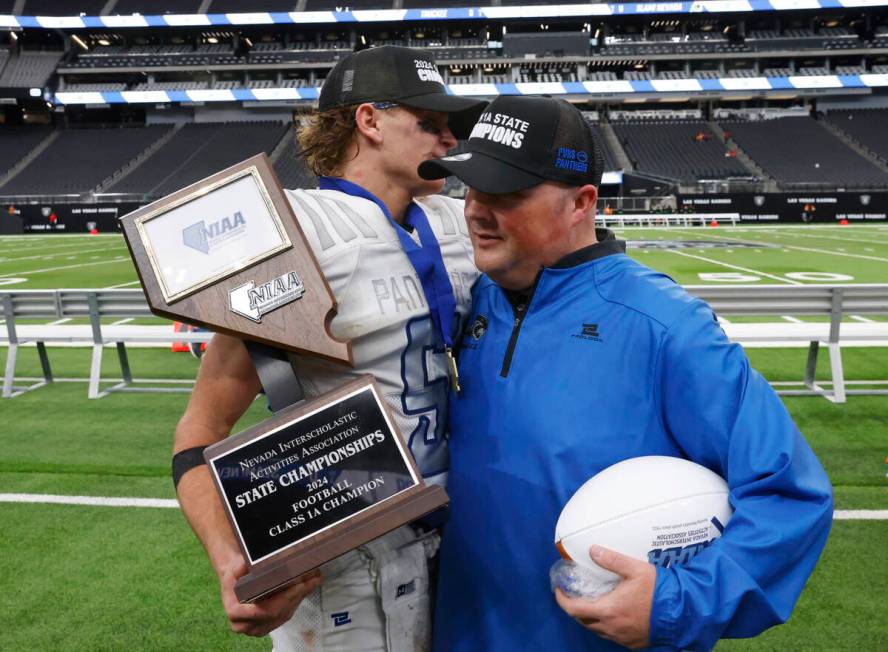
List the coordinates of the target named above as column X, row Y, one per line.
column 425, row 257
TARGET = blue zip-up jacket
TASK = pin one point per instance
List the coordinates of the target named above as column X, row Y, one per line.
column 611, row 360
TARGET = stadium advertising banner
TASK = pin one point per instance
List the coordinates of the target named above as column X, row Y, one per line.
column 856, row 207
column 67, row 218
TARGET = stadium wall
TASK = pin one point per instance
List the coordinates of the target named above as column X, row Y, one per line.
column 174, row 114
column 838, row 103
column 65, row 218
column 11, row 222
column 820, row 207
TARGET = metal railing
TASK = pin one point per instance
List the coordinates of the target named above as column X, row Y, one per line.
column 81, row 303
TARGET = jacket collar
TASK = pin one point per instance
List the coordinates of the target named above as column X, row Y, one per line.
column 607, row 245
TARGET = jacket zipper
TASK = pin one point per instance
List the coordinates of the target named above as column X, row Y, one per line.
column 520, row 313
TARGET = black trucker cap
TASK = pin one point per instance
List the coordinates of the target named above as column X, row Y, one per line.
column 519, row 142
column 392, row 73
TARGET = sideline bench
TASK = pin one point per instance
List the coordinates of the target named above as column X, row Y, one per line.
column 833, row 301
column 91, row 304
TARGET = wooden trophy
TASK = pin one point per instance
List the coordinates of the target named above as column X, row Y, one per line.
column 320, row 477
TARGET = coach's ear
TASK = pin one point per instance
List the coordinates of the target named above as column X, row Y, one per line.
column 584, row 200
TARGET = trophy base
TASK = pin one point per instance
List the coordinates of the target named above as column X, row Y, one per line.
column 273, row 575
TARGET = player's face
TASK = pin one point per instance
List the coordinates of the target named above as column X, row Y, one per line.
column 515, row 234
column 412, row 136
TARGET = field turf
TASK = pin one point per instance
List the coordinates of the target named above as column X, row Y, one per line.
column 83, row 577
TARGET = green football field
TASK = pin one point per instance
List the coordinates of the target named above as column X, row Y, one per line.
column 691, row 255
column 84, row 577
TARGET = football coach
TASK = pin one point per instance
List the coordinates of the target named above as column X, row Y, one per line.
column 576, row 357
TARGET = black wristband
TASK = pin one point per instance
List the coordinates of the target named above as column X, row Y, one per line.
column 185, row 460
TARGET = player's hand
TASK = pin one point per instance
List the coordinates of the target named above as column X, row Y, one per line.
column 624, row 614
column 266, row 614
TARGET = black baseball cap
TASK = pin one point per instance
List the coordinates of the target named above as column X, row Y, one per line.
column 392, row 73
column 520, row 142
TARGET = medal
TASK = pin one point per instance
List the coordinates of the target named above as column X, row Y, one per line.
column 454, row 373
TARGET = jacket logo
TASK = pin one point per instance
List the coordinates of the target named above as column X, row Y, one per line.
column 589, row 332
column 479, row 327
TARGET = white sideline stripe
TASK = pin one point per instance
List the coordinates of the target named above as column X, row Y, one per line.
column 99, row 501
column 167, row 503
column 775, row 383
column 863, row 320
column 794, row 320
column 742, row 269
column 857, row 228
column 860, row 514
column 121, row 285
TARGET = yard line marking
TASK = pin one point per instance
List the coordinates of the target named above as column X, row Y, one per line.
column 794, row 320
column 122, row 321
column 100, row 501
column 166, row 381
column 121, row 285
column 64, row 320
column 835, row 237
column 55, row 269
column 751, row 241
column 44, row 257
column 742, row 269
column 60, row 236
column 865, row 320
column 169, row 503
column 52, row 247
column 811, row 249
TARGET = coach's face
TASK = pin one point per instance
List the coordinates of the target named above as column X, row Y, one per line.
column 515, row 234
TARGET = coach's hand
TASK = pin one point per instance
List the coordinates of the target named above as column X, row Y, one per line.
column 624, row 614
column 266, row 614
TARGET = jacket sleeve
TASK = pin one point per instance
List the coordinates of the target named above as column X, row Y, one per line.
column 725, row 416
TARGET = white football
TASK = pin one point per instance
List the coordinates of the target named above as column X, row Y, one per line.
column 658, row 509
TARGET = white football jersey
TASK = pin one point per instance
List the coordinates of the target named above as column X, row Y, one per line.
column 383, row 311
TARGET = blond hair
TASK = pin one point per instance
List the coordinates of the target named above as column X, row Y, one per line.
column 324, row 139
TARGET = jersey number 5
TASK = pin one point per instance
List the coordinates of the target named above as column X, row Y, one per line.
column 424, row 373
